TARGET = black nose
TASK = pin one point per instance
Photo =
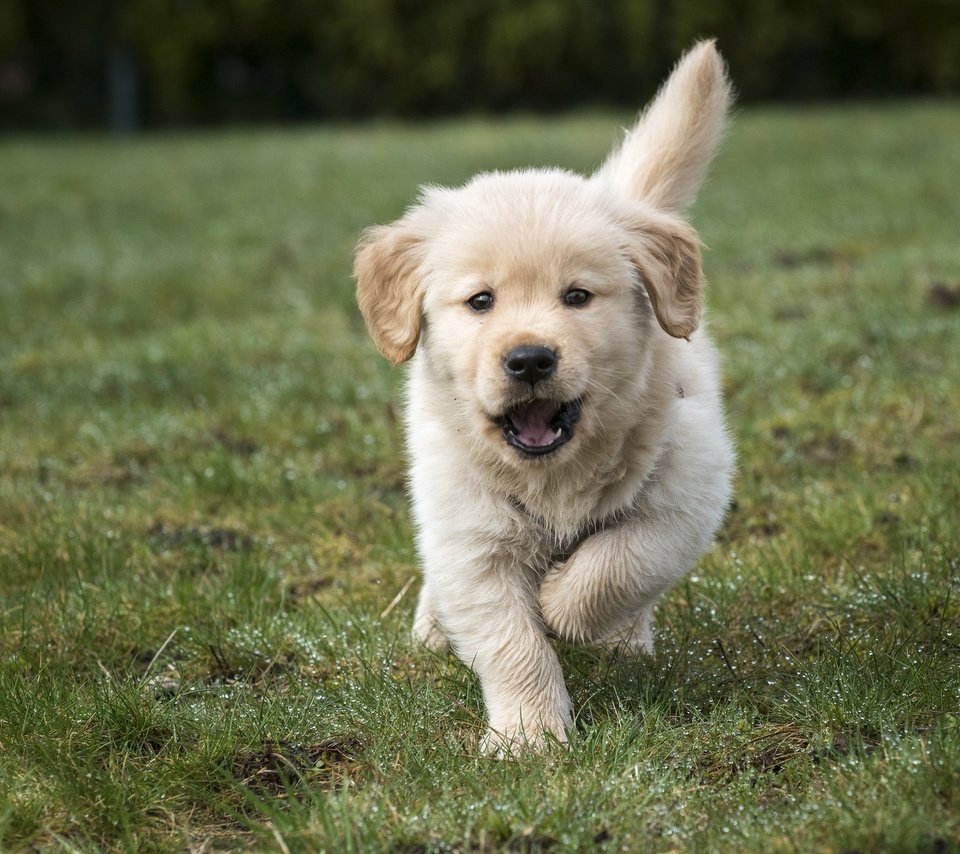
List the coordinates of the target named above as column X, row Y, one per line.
column 530, row 364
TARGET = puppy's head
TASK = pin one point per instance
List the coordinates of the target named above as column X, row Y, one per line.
column 534, row 296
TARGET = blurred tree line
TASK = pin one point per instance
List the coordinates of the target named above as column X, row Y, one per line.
column 127, row 63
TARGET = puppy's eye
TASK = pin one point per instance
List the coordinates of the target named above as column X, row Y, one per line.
column 481, row 302
column 576, row 297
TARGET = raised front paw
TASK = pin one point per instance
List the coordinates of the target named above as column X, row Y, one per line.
column 587, row 599
column 562, row 603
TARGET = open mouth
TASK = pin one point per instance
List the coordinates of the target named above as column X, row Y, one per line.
column 540, row 427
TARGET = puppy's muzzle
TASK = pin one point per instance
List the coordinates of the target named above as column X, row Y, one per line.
column 530, row 364
column 537, row 428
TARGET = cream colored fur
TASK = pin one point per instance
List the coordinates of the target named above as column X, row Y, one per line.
column 580, row 542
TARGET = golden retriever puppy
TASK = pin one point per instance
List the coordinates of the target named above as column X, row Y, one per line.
column 569, row 459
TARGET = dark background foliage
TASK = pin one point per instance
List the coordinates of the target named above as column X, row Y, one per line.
column 154, row 63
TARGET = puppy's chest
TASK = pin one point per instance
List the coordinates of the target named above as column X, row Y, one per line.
column 543, row 545
column 567, row 513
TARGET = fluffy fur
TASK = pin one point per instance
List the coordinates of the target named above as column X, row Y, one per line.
column 577, row 540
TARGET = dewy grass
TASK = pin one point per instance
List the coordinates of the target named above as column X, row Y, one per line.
column 203, row 527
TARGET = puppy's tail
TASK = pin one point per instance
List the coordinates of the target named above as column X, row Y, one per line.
column 664, row 159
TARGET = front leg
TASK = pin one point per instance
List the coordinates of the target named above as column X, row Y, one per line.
column 489, row 611
column 605, row 591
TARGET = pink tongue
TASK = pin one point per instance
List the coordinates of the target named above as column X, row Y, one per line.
column 532, row 423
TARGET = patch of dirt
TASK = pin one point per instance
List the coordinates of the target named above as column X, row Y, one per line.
column 280, row 765
column 304, row 590
column 944, row 294
column 164, row 685
column 239, row 445
column 769, row 751
column 251, row 670
column 790, row 312
column 790, row 259
column 111, row 475
column 827, row 448
column 164, row 537
column 528, row 841
column 844, row 742
column 774, row 748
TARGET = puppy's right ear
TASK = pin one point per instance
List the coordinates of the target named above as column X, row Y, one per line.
column 387, row 266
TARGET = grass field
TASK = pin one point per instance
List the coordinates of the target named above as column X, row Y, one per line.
column 205, row 549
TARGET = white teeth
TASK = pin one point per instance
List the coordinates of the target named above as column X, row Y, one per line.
column 557, row 434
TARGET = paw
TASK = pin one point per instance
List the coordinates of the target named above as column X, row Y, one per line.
column 588, row 599
column 560, row 605
column 513, row 740
column 427, row 631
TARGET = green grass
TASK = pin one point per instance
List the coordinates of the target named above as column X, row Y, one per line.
column 203, row 524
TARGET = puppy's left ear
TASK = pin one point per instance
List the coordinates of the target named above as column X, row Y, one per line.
column 388, row 268
column 665, row 251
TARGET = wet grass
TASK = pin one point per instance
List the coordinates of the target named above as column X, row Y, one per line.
column 203, row 529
